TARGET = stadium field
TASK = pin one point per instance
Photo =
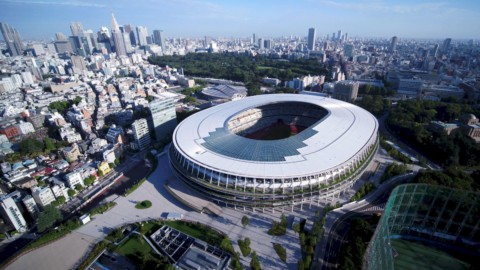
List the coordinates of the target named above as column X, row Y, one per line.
column 412, row 255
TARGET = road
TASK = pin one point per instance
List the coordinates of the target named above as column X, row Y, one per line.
column 337, row 222
column 72, row 206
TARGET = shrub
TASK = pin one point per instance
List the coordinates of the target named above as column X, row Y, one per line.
column 281, row 251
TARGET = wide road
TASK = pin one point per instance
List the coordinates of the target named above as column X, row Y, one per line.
column 67, row 252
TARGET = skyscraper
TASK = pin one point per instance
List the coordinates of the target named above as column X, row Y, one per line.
column 118, row 38
column 77, row 29
column 435, row 50
column 393, row 44
column 12, row 38
column 339, row 37
column 159, row 39
column 260, row 43
column 254, row 39
column 446, row 45
column 59, row 36
column 142, row 34
column 311, row 39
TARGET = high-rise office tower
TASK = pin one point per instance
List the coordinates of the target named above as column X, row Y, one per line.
column 393, row 44
column 333, row 36
column 260, row 43
column 345, row 37
column 339, row 37
column 59, row 36
column 164, row 117
column 435, row 50
column 446, row 45
column 77, row 29
column 348, row 50
column 254, row 39
column 118, row 38
column 142, row 34
column 127, row 41
column 130, row 39
column 311, row 39
column 12, row 38
column 268, row 44
column 11, row 214
column 159, row 39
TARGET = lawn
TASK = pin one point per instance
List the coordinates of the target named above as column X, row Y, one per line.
column 413, row 255
column 134, row 245
column 199, row 231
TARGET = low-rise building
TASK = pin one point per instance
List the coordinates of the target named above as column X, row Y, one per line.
column 346, row 90
column 103, row 168
column 141, row 134
column 31, row 206
column 73, row 178
column 71, row 153
column 43, row 196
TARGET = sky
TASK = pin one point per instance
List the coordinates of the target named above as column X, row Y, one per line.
column 430, row 19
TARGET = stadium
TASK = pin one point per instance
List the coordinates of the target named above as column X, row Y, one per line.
column 274, row 150
column 426, row 227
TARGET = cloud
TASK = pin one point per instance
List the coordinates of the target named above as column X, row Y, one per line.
column 55, row 3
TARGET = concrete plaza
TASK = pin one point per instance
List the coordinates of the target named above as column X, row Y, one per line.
column 69, row 251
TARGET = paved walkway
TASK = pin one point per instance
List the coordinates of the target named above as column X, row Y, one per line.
column 67, row 252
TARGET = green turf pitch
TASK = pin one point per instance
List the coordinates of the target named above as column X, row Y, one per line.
column 416, row 256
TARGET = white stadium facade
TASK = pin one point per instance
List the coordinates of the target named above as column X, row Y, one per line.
column 226, row 153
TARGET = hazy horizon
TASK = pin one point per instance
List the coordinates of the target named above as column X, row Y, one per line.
column 41, row 19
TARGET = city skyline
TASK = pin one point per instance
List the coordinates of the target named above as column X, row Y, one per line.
column 41, row 19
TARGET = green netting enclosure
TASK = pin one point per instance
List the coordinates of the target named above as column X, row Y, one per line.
column 433, row 214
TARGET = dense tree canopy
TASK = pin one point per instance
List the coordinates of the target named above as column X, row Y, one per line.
column 241, row 67
column 410, row 119
column 48, row 217
column 451, row 177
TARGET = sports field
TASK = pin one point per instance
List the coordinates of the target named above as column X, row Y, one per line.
column 412, row 255
column 276, row 131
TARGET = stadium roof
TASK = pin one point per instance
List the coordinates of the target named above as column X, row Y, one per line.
column 205, row 139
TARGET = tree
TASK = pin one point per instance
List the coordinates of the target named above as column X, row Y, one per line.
column 49, row 144
column 61, row 200
column 78, row 187
column 245, row 221
column 255, row 263
column 49, row 216
column 89, row 180
column 116, row 161
column 71, row 192
column 296, row 227
column 111, row 165
column 77, row 100
column 100, row 173
column 31, row 147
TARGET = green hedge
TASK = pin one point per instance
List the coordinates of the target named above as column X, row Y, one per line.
column 281, row 252
column 244, row 246
column 97, row 250
column 102, row 208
